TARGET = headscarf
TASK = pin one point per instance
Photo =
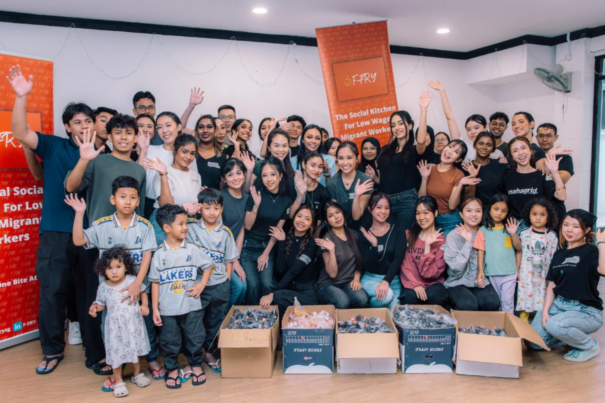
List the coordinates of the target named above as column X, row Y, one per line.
column 364, row 162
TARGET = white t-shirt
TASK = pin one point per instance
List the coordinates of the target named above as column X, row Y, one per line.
column 167, row 157
column 184, row 186
column 471, row 154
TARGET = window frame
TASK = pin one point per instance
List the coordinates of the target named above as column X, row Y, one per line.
column 596, row 131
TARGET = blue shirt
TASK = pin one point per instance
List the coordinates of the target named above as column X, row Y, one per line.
column 59, row 155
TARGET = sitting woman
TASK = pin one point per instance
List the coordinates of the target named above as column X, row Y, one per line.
column 573, row 308
column 295, row 263
column 466, row 293
column 382, row 250
column 338, row 283
column 423, row 269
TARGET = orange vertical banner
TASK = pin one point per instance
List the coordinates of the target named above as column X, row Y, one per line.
column 357, row 71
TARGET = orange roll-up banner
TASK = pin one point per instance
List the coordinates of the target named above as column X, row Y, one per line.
column 21, row 204
column 357, row 70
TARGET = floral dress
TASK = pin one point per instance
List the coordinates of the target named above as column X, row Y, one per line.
column 538, row 249
column 125, row 335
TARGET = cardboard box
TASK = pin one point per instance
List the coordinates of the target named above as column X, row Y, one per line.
column 492, row 355
column 367, row 353
column 248, row 353
column 426, row 350
column 308, row 351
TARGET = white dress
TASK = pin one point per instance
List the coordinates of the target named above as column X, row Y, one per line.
column 125, row 335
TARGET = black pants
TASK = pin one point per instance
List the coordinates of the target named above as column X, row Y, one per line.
column 304, row 292
column 436, row 295
column 474, row 299
column 148, row 211
column 183, row 330
column 87, row 284
column 215, row 299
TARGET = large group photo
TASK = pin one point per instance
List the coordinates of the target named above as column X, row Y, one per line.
column 335, row 200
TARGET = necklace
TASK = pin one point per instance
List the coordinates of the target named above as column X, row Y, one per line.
column 380, row 229
column 272, row 199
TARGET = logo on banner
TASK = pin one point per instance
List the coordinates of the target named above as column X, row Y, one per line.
column 360, row 79
column 17, row 326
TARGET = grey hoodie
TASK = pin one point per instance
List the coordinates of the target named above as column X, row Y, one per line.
column 461, row 259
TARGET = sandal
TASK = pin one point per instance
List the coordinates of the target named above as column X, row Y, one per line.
column 156, row 374
column 216, row 364
column 177, row 382
column 183, row 373
column 196, row 381
column 112, row 382
column 141, row 380
column 120, row 389
column 97, row 368
column 44, row 371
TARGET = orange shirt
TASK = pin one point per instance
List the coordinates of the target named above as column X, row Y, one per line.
column 440, row 186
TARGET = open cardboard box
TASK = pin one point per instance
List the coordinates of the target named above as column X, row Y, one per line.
column 492, row 355
column 426, row 350
column 248, row 353
column 308, row 351
column 367, row 353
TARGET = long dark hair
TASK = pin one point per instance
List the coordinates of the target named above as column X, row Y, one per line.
column 279, row 167
column 302, row 150
column 431, row 204
column 261, row 125
column 476, row 118
column 364, row 162
column 551, row 221
column 306, row 238
column 173, row 116
column 286, row 162
column 351, row 146
column 329, row 143
column 388, row 152
column 236, row 125
column 218, row 150
column 488, row 221
column 348, row 232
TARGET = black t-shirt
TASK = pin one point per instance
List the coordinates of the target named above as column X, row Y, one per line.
column 272, row 209
column 231, row 149
column 566, row 164
column 503, row 148
column 317, row 198
column 538, row 152
column 397, row 175
column 576, row 276
column 301, row 269
column 210, row 170
column 386, row 258
column 294, row 150
column 521, row 188
column 491, row 175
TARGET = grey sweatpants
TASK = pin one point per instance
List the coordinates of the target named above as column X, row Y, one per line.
column 183, row 330
column 505, row 286
column 215, row 299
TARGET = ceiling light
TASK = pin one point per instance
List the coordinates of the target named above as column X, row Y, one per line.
column 259, row 10
column 443, row 31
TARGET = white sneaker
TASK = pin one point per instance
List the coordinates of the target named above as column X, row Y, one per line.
column 75, row 337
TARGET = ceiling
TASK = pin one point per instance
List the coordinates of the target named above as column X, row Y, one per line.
column 473, row 23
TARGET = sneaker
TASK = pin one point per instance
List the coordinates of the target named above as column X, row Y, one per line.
column 75, row 337
column 577, row 355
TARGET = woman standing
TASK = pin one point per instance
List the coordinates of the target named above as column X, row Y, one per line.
column 382, row 250
column 338, row 283
column 241, row 132
column 466, row 293
column 221, row 132
column 209, row 153
column 311, row 142
column 370, row 149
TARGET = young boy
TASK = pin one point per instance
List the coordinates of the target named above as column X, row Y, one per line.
column 216, row 241
column 176, row 286
column 126, row 228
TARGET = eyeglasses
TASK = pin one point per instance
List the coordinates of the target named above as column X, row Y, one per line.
column 440, row 140
column 225, row 117
column 545, row 136
column 143, row 108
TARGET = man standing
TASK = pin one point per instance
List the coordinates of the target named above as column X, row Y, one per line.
column 498, row 124
column 547, row 136
column 227, row 114
column 144, row 102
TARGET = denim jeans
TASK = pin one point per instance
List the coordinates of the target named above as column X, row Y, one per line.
column 238, row 290
column 258, row 282
column 403, row 207
column 154, row 349
column 160, row 235
column 463, row 298
column 342, row 296
column 369, row 282
column 447, row 222
column 570, row 322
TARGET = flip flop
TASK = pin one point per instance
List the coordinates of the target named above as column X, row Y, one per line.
column 216, row 364
column 176, row 380
column 198, row 382
column 97, row 368
column 155, row 373
column 182, row 376
column 112, row 382
column 44, row 371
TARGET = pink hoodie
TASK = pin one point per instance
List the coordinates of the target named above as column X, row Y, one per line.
column 423, row 270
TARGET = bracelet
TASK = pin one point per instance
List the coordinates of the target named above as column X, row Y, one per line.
column 558, row 189
column 600, row 242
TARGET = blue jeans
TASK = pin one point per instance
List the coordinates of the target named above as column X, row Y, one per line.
column 238, row 291
column 403, row 207
column 259, row 282
column 369, row 282
column 448, row 222
column 160, row 235
column 570, row 322
column 342, row 296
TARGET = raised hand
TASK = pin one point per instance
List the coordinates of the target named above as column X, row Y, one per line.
column 431, row 238
column 156, row 165
column 233, row 137
column 143, row 140
column 255, row 195
column 424, row 168
column 512, row 225
column 247, row 160
column 436, row 85
column 277, row 233
column 87, row 145
column 20, row 85
column 197, row 96
column 557, row 150
column 273, row 123
column 300, row 183
column 287, row 126
column 425, row 99
column 79, row 205
column 469, row 167
column 469, row 180
column 464, row 233
column 362, row 188
column 371, row 172
column 325, row 244
column 369, row 236
column 192, row 208
column 552, row 163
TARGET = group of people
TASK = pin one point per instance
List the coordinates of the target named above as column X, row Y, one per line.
column 162, row 228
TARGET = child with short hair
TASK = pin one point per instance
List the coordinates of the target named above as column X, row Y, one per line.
column 176, row 286
column 125, row 336
column 496, row 255
column 216, row 240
